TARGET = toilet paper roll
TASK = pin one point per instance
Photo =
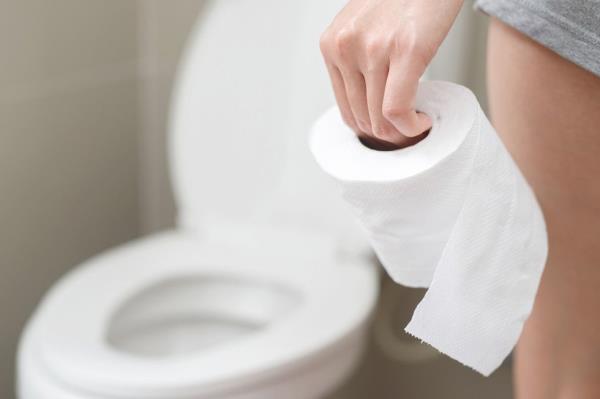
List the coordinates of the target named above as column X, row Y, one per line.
column 452, row 213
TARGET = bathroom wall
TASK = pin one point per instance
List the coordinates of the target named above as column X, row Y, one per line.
column 68, row 146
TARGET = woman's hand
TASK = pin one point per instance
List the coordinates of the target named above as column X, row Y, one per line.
column 376, row 51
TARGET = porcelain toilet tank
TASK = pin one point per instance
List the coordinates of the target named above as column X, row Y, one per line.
column 265, row 288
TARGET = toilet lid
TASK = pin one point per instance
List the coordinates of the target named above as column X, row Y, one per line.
column 250, row 85
column 68, row 337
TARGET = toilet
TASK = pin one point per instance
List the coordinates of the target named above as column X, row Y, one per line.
column 265, row 287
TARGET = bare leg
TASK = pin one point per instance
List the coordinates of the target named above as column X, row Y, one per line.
column 547, row 111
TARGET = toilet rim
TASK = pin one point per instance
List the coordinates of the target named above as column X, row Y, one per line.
column 71, row 338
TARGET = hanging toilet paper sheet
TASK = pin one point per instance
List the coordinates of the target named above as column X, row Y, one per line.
column 452, row 213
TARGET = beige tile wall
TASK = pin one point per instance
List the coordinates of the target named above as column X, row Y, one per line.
column 68, row 146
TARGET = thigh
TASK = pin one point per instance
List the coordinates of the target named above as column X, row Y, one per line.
column 547, row 111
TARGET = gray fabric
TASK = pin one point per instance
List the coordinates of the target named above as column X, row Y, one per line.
column 571, row 28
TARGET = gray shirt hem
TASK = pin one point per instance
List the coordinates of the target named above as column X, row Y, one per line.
column 565, row 36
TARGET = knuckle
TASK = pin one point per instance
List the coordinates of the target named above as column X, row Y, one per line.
column 344, row 40
column 409, row 45
column 376, row 50
column 325, row 42
column 406, row 41
column 374, row 46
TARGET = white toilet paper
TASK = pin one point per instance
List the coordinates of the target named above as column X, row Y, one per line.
column 452, row 213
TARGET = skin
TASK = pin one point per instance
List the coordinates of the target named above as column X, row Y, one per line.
column 375, row 52
column 547, row 111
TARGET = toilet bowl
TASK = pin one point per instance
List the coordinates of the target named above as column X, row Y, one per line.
column 265, row 288
column 172, row 316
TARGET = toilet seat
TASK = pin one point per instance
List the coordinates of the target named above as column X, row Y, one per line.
column 75, row 352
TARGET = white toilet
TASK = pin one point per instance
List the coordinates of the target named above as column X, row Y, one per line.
column 265, row 288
